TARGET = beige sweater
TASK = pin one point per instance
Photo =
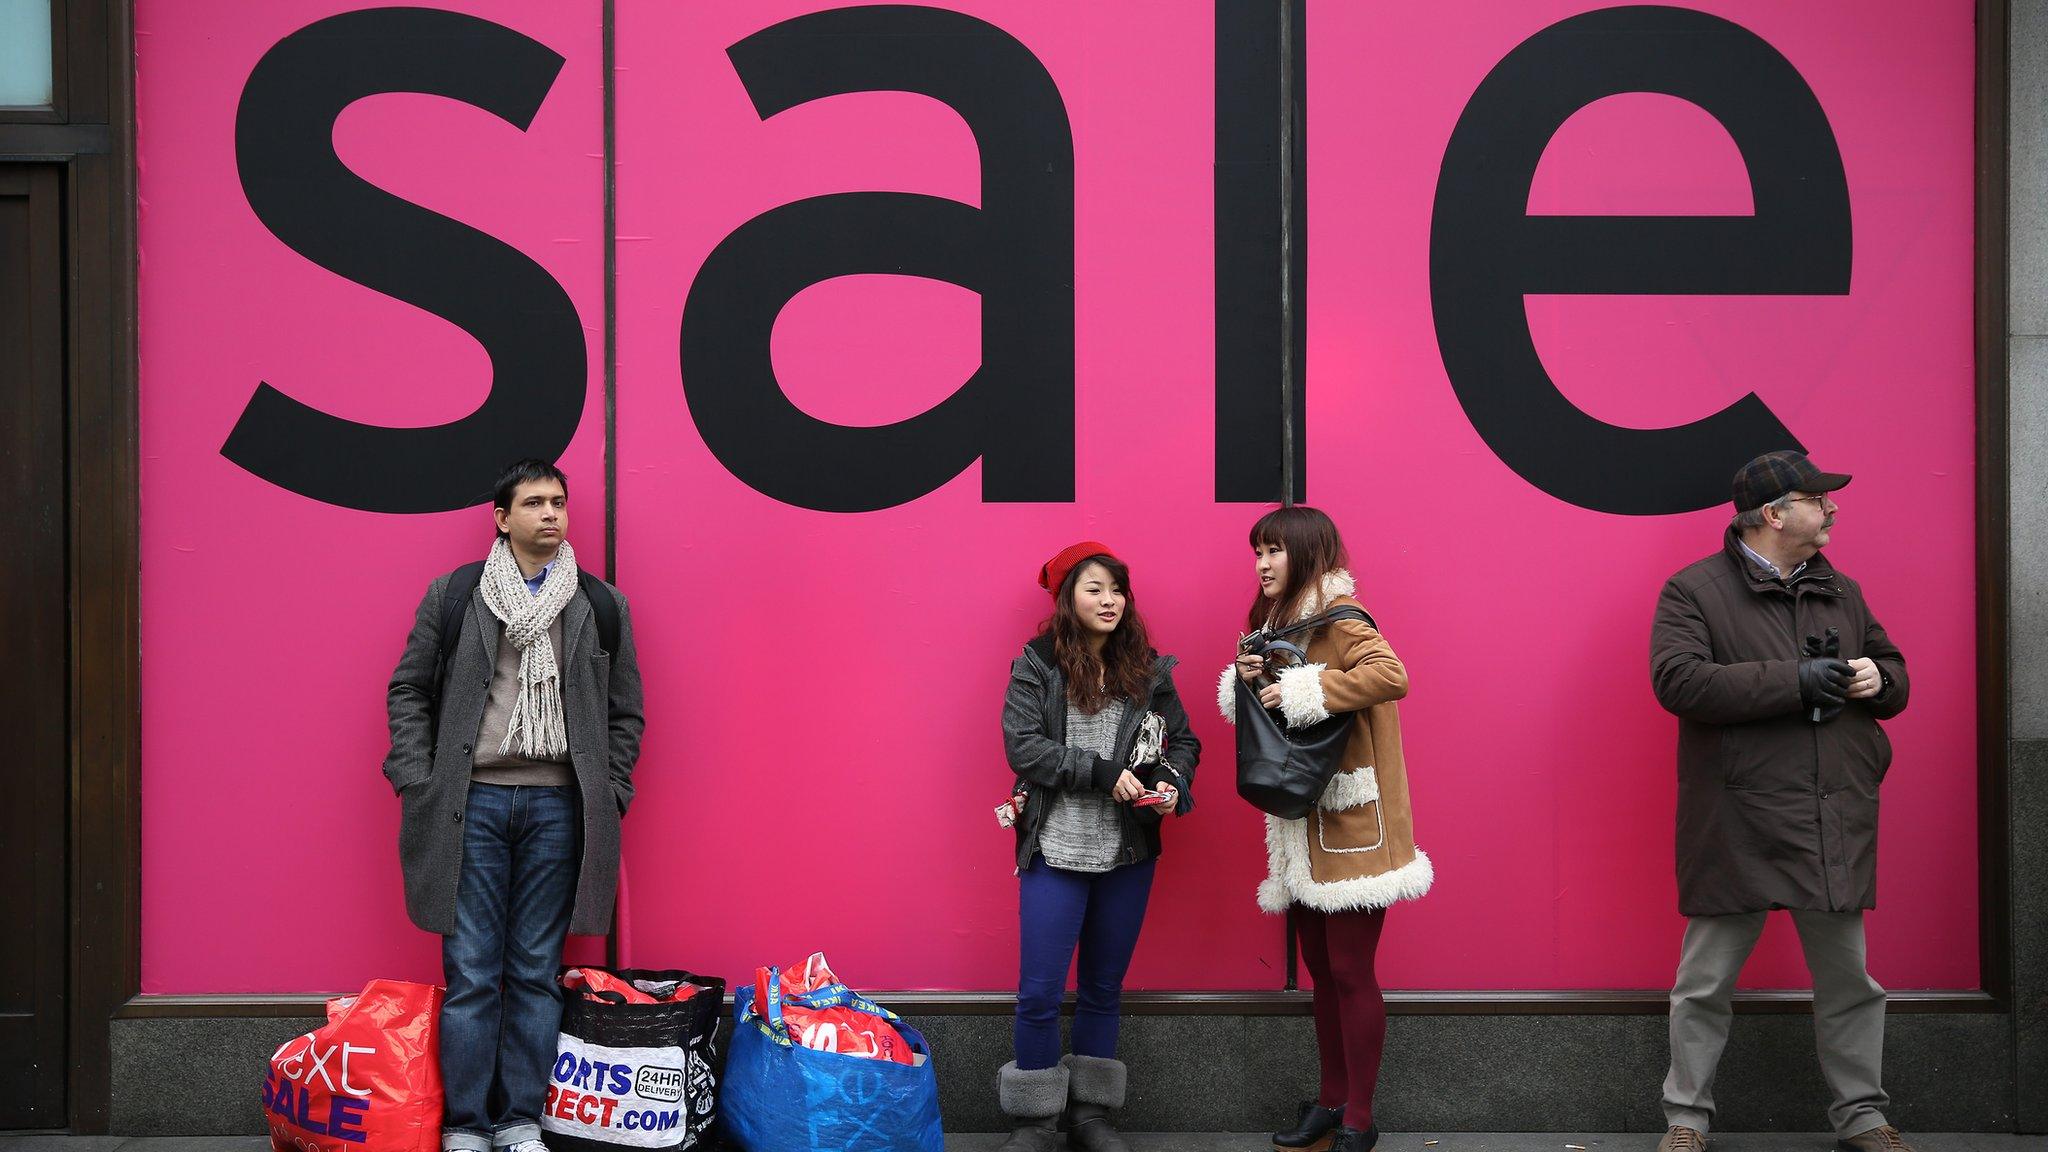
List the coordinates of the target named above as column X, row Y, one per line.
column 494, row 767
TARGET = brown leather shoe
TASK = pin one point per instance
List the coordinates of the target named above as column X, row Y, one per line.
column 1883, row 1138
column 1679, row 1138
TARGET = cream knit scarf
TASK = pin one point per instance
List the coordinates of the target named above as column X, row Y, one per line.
column 538, row 729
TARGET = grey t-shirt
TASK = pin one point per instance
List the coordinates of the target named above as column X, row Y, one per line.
column 1084, row 831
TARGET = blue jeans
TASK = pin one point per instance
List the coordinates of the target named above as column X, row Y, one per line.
column 1057, row 910
column 503, row 1014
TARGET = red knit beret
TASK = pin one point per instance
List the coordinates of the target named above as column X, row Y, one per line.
column 1055, row 571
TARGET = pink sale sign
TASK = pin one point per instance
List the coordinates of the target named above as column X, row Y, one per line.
column 908, row 298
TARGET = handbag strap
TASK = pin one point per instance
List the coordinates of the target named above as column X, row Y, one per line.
column 1342, row 612
column 1273, row 641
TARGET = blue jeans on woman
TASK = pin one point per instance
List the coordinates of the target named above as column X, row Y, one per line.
column 502, row 1017
column 1058, row 910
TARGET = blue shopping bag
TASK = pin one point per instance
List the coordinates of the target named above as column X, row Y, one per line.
column 780, row 1096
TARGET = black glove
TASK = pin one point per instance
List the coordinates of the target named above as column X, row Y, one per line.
column 1824, row 684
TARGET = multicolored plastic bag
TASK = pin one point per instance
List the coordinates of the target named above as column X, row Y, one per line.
column 781, row 1096
column 633, row 1068
column 835, row 1027
column 369, row 1080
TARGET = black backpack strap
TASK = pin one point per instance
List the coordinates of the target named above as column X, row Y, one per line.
column 462, row 585
column 605, row 607
column 454, row 610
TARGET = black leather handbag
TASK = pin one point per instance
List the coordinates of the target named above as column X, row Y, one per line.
column 1284, row 770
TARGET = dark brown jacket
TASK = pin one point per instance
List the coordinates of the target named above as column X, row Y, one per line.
column 1774, row 810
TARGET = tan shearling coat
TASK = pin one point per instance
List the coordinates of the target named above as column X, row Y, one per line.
column 1357, row 850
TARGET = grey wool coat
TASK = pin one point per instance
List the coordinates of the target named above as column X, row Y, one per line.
column 601, row 702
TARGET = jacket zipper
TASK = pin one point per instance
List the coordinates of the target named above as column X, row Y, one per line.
column 1127, row 731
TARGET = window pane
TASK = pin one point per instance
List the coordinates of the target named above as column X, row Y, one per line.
column 24, row 52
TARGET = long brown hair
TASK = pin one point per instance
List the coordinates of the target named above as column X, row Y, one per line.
column 1124, row 669
column 1309, row 537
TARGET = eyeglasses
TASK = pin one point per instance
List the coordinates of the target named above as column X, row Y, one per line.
column 1819, row 501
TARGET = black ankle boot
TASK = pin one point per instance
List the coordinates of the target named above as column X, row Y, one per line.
column 1032, row 1099
column 1097, row 1089
column 1355, row 1140
column 1312, row 1129
column 1089, row 1129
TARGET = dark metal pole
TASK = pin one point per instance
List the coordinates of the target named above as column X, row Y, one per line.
column 1293, row 952
column 1287, row 365
column 611, row 351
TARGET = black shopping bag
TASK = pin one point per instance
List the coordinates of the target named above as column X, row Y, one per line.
column 634, row 1075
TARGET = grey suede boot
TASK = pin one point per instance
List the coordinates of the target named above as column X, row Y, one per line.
column 1033, row 1100
column 1096, row 1090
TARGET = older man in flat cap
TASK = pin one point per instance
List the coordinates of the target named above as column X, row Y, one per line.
column 1778, row 675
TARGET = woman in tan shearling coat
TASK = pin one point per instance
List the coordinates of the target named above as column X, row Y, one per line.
column 1355, row 854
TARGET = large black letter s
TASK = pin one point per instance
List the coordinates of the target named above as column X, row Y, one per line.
column 1017, row 412
column 302, row 192
column 1486, row 253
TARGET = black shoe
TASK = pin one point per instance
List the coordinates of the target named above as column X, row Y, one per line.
column 1312, row 1129
column 1355, row 1140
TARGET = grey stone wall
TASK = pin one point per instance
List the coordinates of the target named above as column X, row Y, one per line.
column 1208, row 1073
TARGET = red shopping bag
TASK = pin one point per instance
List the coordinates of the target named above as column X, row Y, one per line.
column 369, row 1080
column 611, row 988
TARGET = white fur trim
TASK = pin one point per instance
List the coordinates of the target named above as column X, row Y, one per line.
column 1287, row 880
column 1336, row 582
column 1273, row 895
column 1353, row 789
column 1226, row 693
column 1301, row 695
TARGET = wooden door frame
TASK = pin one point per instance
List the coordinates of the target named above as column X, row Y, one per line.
column 88, row 131
column 37, row 418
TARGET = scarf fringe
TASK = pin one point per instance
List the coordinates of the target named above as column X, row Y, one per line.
column 539, row 727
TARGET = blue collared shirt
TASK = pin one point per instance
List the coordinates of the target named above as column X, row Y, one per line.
column 534, row 581
column 1766, row 565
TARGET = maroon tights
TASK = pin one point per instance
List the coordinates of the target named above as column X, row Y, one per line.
column 1351, row 1015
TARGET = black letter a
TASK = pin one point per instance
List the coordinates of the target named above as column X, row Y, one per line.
column 1017, row 412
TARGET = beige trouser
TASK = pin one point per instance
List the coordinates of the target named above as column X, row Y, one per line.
column 1848, row 1015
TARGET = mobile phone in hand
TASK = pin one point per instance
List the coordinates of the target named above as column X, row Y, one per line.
column 1008, row 811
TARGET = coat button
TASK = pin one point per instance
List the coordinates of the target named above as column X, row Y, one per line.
column 458, row 815
column 465, row 749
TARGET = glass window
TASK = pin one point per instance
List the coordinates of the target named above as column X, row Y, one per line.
column 24, row 53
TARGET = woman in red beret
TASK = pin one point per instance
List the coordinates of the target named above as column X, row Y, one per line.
column 1102, row 752
column 1354, row 855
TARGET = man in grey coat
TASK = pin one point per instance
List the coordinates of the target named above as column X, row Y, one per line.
column 1779, row 675
column 515, row 723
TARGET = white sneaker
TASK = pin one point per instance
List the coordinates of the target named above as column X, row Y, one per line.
column 527, row 1146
